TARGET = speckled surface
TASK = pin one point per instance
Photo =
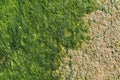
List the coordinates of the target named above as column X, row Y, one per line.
column 100, row 57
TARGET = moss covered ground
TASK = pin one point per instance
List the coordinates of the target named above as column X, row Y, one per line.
column 33, row 34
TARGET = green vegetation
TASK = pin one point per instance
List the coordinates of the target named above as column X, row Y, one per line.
column 33, row 33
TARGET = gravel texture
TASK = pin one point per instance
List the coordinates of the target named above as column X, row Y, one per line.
column 100, row 57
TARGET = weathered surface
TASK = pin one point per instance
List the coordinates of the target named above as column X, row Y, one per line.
column 100, row 59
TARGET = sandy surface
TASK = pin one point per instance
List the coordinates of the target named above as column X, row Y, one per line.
column 100, row 57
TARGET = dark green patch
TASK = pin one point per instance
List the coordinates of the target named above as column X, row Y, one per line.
column 33, row 32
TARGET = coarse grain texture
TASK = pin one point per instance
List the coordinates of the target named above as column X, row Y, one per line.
column 99, row 58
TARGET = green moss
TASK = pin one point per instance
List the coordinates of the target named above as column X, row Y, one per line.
column 33, row 32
